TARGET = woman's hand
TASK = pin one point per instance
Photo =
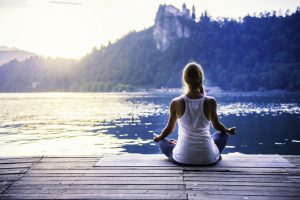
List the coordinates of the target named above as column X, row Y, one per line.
column 232, row 131
column 172, row 141
column 156, row 137
column 170, row 125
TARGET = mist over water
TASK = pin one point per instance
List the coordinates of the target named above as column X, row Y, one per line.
column 110, row 123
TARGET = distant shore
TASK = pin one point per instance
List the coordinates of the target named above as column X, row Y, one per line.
column 208, row 90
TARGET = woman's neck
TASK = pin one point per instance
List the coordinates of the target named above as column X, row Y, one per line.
column 194, row 94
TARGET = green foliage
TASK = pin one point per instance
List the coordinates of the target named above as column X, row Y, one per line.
column 258, row 53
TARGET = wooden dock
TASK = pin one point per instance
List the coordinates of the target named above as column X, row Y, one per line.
column 136, row 176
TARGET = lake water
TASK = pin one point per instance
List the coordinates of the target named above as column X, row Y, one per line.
column 111, row 123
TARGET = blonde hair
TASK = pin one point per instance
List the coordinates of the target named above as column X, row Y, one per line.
column 193, row 77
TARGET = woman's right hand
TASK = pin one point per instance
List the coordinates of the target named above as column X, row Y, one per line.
column 232, row 131
column 172, row 141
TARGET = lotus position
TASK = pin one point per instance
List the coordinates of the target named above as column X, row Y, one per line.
column 194, row 112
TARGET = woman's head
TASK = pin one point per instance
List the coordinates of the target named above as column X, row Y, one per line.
column 193, row 77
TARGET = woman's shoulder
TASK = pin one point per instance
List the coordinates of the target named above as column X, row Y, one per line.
column 211, row 101
column 178, row 105
column 209, row 98
column 178, row 99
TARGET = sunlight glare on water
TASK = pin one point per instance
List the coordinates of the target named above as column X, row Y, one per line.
column 68, row 123
column 113, row 123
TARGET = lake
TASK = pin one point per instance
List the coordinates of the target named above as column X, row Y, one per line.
column 113, row 123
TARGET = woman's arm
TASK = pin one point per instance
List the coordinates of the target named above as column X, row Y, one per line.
column 215, row 120
column 170, row 125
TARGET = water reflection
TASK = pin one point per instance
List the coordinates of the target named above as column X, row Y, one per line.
column 109, row 123
column 69, row 123
column 261, row 109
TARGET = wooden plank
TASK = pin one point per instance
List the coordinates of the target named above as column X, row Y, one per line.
column 101, row 178
column 74, row 156
column 196, row 184
column 194, row 168
column 87, row 182
column 5, row 184
column 94, row 172
column 103, row 175
column 20, row 157
column 129, row 160
column 10, row 177
column 86, row 168
column 258, row 157
column 69, row 160
column 158, row 181
column 236, row 174
column 280, row 176
column 160, row 160
column 234, row 197
column 13, row 171
column 65, row 164
column 96, row 196
column 255, row 158
column 206, row 190
column 228, row 163
column 242, row 170
column 94, row 191
column 241, row 188
column 99, row 187
column 270, row 194
column 62, row 167
column 294, row 160
column 20, row 160
column 3, row 188
column 15, row 165
column 248, row 180
column 160, row 178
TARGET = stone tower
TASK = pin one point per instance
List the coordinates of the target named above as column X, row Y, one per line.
column 185, row 11
column 193, row 13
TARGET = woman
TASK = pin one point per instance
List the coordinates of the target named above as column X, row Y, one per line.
column 194, row 111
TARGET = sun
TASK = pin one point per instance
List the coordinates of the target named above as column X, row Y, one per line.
column 70, row 29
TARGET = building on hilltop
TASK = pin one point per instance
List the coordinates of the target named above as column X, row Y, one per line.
column 185, row 11
column 170, row 24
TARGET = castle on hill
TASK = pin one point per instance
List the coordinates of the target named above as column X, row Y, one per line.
column 172, row 10
column 169, row 25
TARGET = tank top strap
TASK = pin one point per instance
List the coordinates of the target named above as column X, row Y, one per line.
column 189, row 99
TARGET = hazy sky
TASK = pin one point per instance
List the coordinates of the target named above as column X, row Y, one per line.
column 71, row 28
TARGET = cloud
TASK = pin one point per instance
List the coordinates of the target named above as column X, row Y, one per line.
column 66, row 3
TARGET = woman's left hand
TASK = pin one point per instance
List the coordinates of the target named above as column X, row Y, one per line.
column 156, row 138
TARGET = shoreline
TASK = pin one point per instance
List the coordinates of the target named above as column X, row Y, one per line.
column 171, row 91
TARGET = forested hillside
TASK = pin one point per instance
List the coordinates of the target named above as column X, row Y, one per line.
column 36, row 74
column 254, row 53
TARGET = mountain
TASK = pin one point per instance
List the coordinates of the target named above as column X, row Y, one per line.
column 7, row 54
column 254, row 53
column 36, row 74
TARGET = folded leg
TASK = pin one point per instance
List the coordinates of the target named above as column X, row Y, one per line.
column 220, row 140
column 167, row 148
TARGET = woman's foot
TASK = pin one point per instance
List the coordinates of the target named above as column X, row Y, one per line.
column 220, row 158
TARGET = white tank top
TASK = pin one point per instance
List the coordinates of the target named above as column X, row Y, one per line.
column 195, row 144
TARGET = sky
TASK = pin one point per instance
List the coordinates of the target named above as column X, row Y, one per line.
column 72, row 28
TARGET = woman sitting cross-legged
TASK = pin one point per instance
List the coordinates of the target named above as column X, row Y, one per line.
column 194, row 112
